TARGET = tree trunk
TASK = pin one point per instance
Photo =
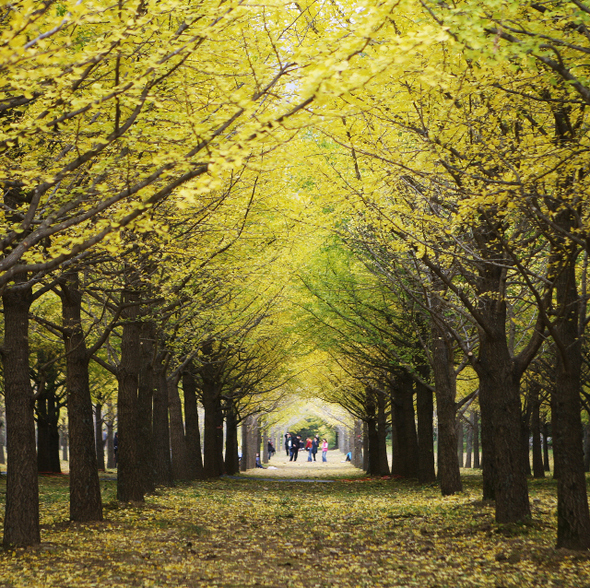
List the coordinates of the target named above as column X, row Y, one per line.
column 499, row 397
column 98, row 422
column 110, row 446
column 526, row 434
column 53, row 411
column 357, row 452
column 193, row 435
column 232, row 461
column 161, row 430
column 374, row 462
column 374, row 468
column 475, row 426
column 545, row 432
column 180, row 466
column 468, row 446
column 573, row 516
column 2, row 436
column 586, row 448
column 21, row 520
column 265, row 446
column 538, row 469
column 129, row 478
column 213, row 466
column 396, row 449
column 410, row 439
column 145, row 401
column 445, row 387
column 382, row 434
column 245, row 447
column 64, row 445
column 459, row 427
column 43, row 443
column 85, row 499
column 365, row 447
column 425, row 412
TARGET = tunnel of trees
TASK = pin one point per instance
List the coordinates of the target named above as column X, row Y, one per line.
column 209, row 210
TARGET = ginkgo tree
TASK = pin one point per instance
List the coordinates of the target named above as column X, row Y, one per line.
column 110, row 108
column 480, row 175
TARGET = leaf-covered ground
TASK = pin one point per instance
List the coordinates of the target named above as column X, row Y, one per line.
column 266, row 531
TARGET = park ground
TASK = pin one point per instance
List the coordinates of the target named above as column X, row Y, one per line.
column 299, row 525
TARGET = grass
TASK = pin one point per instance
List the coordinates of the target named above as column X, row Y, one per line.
column 256, row 531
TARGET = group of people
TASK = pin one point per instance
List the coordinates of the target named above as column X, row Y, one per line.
column 294, row 443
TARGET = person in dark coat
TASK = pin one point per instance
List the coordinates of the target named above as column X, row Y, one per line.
column 295, row 448
column 314, row 446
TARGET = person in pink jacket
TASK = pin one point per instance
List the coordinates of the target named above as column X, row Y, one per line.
column 324, row 450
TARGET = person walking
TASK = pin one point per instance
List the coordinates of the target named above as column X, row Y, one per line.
column 271, row 449
column 295, row 448
column 308, row 446
column 324, row 450
column 314, row 446
column 288, row 443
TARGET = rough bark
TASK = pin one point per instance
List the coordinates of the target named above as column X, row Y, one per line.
column 21, row 519
column 98, row 422
column 129, row 478
column 445, row 387
column 374, row 462
column 410, row 436
column 499, row 396
column 47, row 413
column 145, row 400
column 43, row 445
column 573, row 516
column 110, row 446
column 180, row 465
column 232, row 462
column 425, row 412
column 85, row 499
column 161, row 431
column 213, row 466
column 193, row 435
column 245, row 445
column 499, row 372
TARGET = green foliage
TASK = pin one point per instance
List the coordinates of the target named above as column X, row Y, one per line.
column 311, row 426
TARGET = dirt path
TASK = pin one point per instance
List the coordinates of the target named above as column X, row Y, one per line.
column 280, row 467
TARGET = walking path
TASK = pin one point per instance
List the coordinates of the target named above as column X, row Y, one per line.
column 302, row 470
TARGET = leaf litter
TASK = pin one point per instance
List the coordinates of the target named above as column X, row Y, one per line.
column 235, row 533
